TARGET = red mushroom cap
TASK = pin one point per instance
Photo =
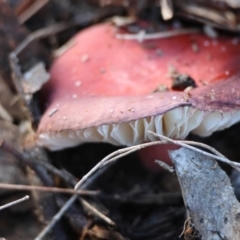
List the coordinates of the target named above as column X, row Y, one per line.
column 101, row 88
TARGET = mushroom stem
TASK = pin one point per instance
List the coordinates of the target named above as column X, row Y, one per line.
column 160, row 152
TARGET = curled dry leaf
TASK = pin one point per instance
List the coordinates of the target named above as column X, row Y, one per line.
column 208, row 195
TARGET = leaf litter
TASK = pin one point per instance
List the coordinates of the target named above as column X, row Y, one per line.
column 132, row 203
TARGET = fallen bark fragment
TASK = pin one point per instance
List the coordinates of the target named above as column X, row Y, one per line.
column 208, row 195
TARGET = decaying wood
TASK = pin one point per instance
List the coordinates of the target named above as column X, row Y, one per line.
column 208, row 195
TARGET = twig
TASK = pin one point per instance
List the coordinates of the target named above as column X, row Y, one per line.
column 143, row 36
column 125, row 151
column 219, row 156
column 88, row 206
column 38, row 169
column 14, row 202
column 98, row 213
column 62, row 173
column 185, row 226
column 42, row 33
column 54, row 29
column 56, row 218
column 67, row 205
column 165, row 166
column 203, row 145
column 46, row 189
column 113, row 157
column 31, row 10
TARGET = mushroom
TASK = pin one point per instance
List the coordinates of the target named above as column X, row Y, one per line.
column 102, row 89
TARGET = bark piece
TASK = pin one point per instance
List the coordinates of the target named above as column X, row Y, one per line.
column 208, row 195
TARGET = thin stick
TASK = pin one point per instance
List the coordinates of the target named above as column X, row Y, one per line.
column 128, row 149
column 122, row 152
column 47, row 189
column 233, row 164
column 165, row 166
column 204, row 146
column 184, row 226
column 66, row 176
column 66, row 206
column 113, row 157
column 54, row 29
column 142, row 35
column 98, row 213
column 57, row 217
column 14, row 202
column 42, row 33
column 72, row 181
column 31, row 10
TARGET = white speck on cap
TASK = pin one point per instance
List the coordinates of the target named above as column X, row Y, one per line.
column 78, row 83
